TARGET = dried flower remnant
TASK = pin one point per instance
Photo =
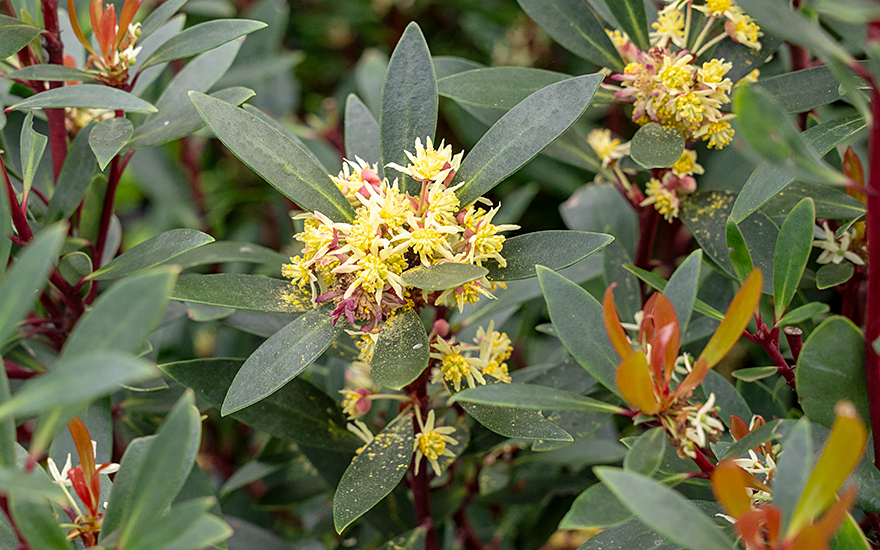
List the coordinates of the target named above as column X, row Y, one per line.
column 431, row 442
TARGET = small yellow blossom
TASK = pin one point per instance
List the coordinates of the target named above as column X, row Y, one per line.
column 687, row 164
column 668, row 27
column 719, row 134
column 742, row 28
column 608, row 149
column 664, row 200
column 454, row 366
column 429, row 164
column 494, row 349
column 432, row 443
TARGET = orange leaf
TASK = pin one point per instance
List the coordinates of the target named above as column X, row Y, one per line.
column 660, row 346
column 107, row 32
column 84, row 449
column 738, row 427
column 735, row 320
column 664, row 315
column 693, row 379
column 612, row 325
column 634, row 381
column 750, row 527
column 836, row 515
column 77, row 30
column 729, row 488
column 852, row 168
column 129, row 9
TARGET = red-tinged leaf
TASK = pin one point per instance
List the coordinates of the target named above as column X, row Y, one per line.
column 735, row 320
column 841, row 453
column 660, row 346
column 834, row 518
column 612, row 325
column 95, row 10
column 129, row 9
column 83, row 442
column 852, row 168
column 82, row 489
column 738, row 427
column 107, row 31
column 664, row 316
column 77, row 30
column 647, row 328
column 729, row 488
column 636, row 386
column 693, row 379
column 750, row 528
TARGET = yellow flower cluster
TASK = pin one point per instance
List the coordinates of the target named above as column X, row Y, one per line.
column 357, row 266
column 472, row 362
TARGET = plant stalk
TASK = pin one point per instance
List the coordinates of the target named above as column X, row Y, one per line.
column 55, row 49
column 420, row 483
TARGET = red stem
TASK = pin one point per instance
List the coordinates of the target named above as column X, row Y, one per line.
column 793, row 335
column 19, row 219
column 107, row 212
column 769, row 340
column 420, row 483
column 55, row 49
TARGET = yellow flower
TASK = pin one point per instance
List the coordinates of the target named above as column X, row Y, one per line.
column 608, row 149
column 432, row 442
column 494, row 349
column 719, row 134
column 687, row 164
column 668, row 27
column 429, row 164
column 741, row 28
column 664, row 200
column 715, row 8
column 454, row 366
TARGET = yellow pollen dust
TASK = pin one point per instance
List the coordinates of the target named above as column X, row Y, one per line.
column 720, row 134
column 674, row 76
column 432, row 445
column 372, row 273
column 454, row 367
column 425, row 241
column 689, row 107
column 718, row 6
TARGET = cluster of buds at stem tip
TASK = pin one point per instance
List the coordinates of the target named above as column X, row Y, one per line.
column 116, row 39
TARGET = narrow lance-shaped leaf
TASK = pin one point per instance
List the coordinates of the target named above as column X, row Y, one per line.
column 32, row 144
column 552, row 249
column 739, row 251
column 240, row 291
column 442, row 276
column 793, row 248
column 635, row 383
column 611, row 318
column 362, row 134
column 108, row 137
column 281, row 162
column 522, row 133
column 529, row 396
column 152, row 252
column 53, row 73
column 498, row 88
column 735, row 320
column 631, row 17
column 402, row 350
column 199, row 38
column 86, row 96
column 682, row 288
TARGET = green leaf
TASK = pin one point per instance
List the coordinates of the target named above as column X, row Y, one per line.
column 658, row 283
column 362, row 133
column 159, row 16
column 597, row 507
column 552, row 249
column 36, row 521
column 229, row 251
column 627, row 294
column 574, row 27
column 86, row 96
column 849, row 537
column 745, row 59
column 185, row 526
column 647, row 452
column 831, row 367
column 753, row 439
column 409, row 100
column 726, row 397
column 152, row 252
column 682, row 288
column 200, row 38
column 831, row 202
column 108, row 137
column 577, row 317
column 7, row 430
column 413, row 540
column 804, row 90
column 498, row 88
column 531, row 396
column 77, row 380
column 630, row 15
column 792, row 470
column 664, row 510
column 34, row 486
column 281, row 358
column 185, row 120
column 15, row 35
column 374, row 472
column 630, row 535
column 754, row 374
column 442, row 276
column 281, row 162
column 738, row 251
column 76, row 175
column 32, row 145
column 26, row 277
column 793, row 248
column 768, row 179
column 241, row 291
column 522, row 133
column 53, row 73
column 803, row 313
column 123, row 316
column 656, row 146
column 299, row 411
column 830, row 275
column 402, row 350
column 5, row 221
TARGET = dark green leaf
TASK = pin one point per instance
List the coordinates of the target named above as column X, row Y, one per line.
column 281, row 162
column 602, row 209
column 53, row 73
column 34, row 486
column 281, row 358
column 664, row 510
column 229, row 251
column 530, row 396
column 577, row 317
column 200, row 38
column 374, row 472
column 647, row 452
column 831, row 202
column 792, row 252
column 745, row 59
column 163, row 530
column 803, row 313
column 516, row 422
column 658, row 283
column 831, row 367
column 631, row 17
column 362, row 133
column 152, row 252
column 656, row 146
column 159, row 16
column 522, row 133
column 442, row 276
column 792, row 470
column 15, row 35
column 804, row 90
column 241, row 291
column 76, row 175
column 402, row 350
column 738, row 251
column 849, row 536
column 108, row 137
column 597, row 507
column 409, row 100
column 632, row 534
column 7, row 429
column 552, row 249
column 573, row 26
column 754, row 439
column 754, row 374
column 682, row 288
column 830, row 275
column 496, row 87
column 414, row 540
column 88, row 96
column 36, row 520
column 298, row 412
column 726, row 397
column 26, row 277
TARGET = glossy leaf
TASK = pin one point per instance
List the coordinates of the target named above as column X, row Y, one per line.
column 630, row 15
column 574, row 27
column 281, row 162
column 374, row 472
column 754, row 374
column 647, row 452
column 76, row 175
column 792, row 470
column 664, row 510
column 498, row 88
column 658, row 283
column 737, row 317
column 803, row 313
column 442, row 276
column 531, row 396
column 15, row 35
column 522, row 133
column 26, row 277
column 37, row 522
column 656, row 146
column 241, row 291
column 577, row 317
column 682, row 288
column 597, row 507
column 792, row 252
column 402, row 350
column 551, row 249
column 77, row 380
column 768, row 179
column 362, row 134
column 152, row 252
column 830, row 368
column 281, row 358
column 831, row 275
column 53, row 73
column 299, row 411
column 87, row 96
column 229, row 251
column 32, row 145
column 200, row 38
column 726, row 397
column 635, row 384
column 409, row 100
column 516, row 422
column 738, row 251
column 108, row 137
